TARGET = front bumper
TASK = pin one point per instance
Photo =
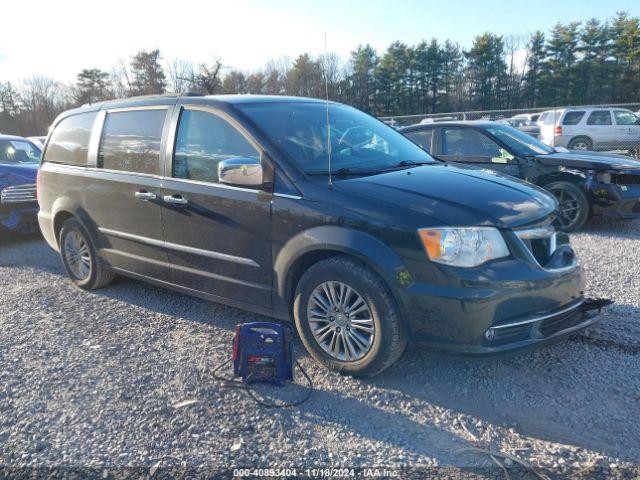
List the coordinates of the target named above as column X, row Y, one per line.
column 615, row 201
column 503, row 305
column 526, row 333
column 19, row 218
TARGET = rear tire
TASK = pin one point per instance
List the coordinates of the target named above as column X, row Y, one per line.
column 80, row 259
column 580, row 144
column 573, row 208
column 368, row 333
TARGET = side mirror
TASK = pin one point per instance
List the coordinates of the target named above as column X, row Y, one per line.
column 240, row 171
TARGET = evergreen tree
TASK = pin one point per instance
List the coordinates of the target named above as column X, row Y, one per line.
column 92, row 85
column 147, row 75
column 361, row 81
column 391, row 80
column 486, row 70
column 305, row 78
column 536, row 55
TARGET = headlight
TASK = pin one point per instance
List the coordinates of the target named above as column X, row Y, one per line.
column 604, row 177
column 463, row 247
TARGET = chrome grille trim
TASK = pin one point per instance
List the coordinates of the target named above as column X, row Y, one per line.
column 568, row 309
column 18, row 194
column 538, row 233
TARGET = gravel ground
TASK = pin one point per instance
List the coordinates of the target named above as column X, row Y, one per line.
column 101, row 379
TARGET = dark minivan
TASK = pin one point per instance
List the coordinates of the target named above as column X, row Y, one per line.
column 230, row 198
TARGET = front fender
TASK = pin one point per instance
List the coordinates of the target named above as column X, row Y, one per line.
column 356, row 243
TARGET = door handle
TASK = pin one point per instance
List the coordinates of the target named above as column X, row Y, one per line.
column 175, row 199
column 144, row 195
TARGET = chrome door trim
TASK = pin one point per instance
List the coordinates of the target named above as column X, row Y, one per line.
column 285, row 195
column 139, row 107
column 184, row 269
column 178, row 247
column 571, row 307
column 217, row 185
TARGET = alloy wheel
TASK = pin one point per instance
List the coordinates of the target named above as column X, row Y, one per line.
column 568, row 207
column 340, row 321
column 77, row 254
column 580, row 146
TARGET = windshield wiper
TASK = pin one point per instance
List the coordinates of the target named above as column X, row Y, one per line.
column 405, row 164
column 344, row 171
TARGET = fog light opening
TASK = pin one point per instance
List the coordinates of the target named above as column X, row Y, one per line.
column 489, row 334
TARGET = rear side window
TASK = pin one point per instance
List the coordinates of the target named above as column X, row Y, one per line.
column 547, row 118
column 131, row 141
column 69, row 142
column 625, row 117
column 572, row 118
column 203, row 140
column 599, row 117
column 422, row 138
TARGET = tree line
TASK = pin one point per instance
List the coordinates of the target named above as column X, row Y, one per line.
column 592, row 62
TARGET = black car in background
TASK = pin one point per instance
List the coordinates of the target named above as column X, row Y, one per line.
column 585, row 184
column 524, row 123
column 230, row 198
column 19, row 161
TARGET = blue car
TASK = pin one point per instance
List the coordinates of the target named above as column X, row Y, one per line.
column 19, row 160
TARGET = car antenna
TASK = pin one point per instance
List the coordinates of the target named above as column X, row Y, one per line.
column 326, row 91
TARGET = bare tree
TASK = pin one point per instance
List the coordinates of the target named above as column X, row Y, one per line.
column 121, row 80
column 276, row 73
column 182, row 75
column 513, row 45
column 333, row 72
column 43, row 99
column 208, row 78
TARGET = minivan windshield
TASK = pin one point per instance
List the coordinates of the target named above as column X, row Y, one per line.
column 359, row 142
column 519, row 142
column 14, row 152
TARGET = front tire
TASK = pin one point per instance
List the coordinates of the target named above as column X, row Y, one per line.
column 581, row 144
column 347, row 319
column 80, row 259
column 573, row 205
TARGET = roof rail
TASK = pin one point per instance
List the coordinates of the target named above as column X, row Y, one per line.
column 147, row 97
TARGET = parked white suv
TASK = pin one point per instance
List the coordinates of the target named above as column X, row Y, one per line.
column 590, row 128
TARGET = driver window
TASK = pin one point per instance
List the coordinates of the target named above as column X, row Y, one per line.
column 361, row 138
column 468, row 144
column 203, row 140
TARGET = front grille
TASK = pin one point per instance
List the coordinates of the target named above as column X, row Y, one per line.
column 540, row 241
column 625, row 179
column 18, row 194
column 559, row 322
column 510, row 334
column 540, row 325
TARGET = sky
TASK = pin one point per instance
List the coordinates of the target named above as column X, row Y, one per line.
column 57, row 38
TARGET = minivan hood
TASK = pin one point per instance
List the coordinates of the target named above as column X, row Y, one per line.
column 453, row 195
column 589, row 160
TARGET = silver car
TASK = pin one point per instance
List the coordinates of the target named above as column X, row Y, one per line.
column 590, row 128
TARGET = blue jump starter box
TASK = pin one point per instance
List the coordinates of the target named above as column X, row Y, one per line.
column 262, row 353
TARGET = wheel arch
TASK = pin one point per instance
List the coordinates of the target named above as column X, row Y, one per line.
column 581, row 137
column 64, row 209
column 567, row 175
column 316, row 244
